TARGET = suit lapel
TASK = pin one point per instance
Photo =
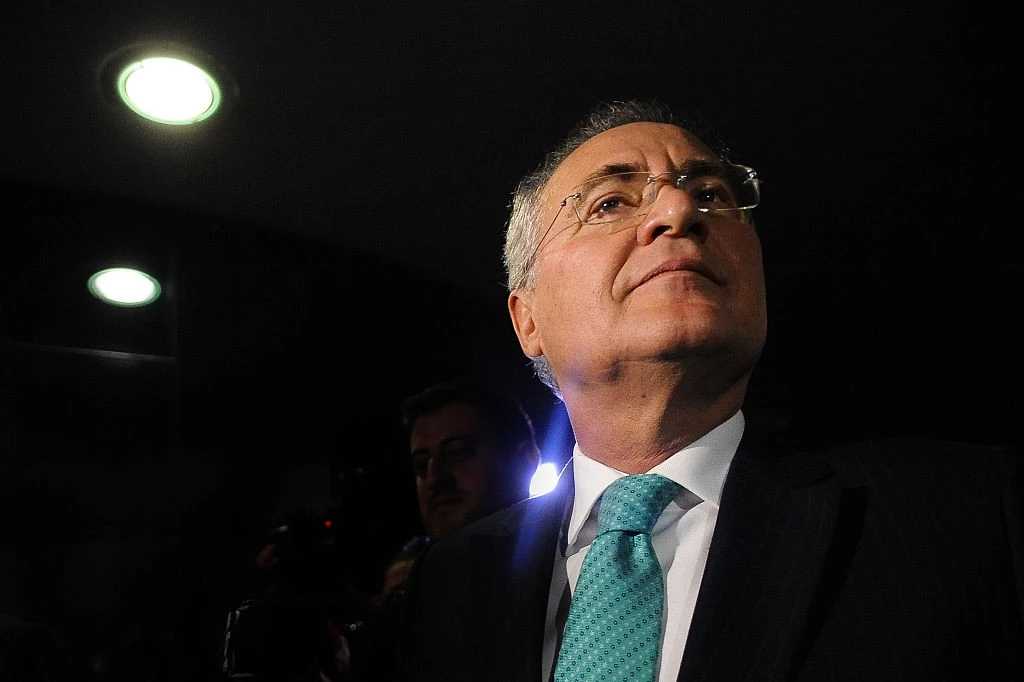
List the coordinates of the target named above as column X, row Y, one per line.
column 775, row 527
column 514, row 561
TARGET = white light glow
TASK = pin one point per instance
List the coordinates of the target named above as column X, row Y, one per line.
column 124, row 287
column 544, row 479
column 168, row 90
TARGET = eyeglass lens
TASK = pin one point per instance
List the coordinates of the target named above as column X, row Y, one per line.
column 624, row 196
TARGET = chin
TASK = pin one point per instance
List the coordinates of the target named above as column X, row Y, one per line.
column 448, row 523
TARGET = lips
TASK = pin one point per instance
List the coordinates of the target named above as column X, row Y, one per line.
column 445, row 499
column 680, row 265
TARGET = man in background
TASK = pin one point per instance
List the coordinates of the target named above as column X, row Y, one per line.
column 473, row 449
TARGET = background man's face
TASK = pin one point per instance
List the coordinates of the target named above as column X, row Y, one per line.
column 461, row 471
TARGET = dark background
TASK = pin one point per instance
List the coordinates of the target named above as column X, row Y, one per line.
column 332, row 243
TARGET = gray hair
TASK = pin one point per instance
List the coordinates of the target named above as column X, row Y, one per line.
column 523, row 231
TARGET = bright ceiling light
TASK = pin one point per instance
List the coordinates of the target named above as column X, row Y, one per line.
column 124, row 287
column 168, row 90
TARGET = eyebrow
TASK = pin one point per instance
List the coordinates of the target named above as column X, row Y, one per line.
column 705, row 166
column 609, row 169
column 689, row 167
column 445, row 442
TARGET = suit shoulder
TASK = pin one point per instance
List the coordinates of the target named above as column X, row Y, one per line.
column 953, row 463
column 925, row 450
column 511, row 521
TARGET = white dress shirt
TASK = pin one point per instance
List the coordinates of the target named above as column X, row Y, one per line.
column 682, row 534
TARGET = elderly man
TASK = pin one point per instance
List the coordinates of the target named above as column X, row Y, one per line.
column 677, row 546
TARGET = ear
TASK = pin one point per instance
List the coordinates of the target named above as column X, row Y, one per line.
column 520, row 309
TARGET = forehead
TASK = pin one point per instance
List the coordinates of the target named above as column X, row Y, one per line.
column 657, row 147
column 453, row 419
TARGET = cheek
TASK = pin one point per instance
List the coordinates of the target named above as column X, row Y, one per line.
column 754, row 267
column 585, row 269
column 564, row 266
column 749, row 273
column 471, row 476
column 743, row 255
column 570, row 284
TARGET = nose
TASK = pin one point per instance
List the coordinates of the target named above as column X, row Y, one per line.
column 673, row 212
column 438, row 470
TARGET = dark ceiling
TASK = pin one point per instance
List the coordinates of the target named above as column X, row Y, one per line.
column 333, row 242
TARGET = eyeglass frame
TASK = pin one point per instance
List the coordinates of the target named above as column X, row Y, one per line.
column 751, row 175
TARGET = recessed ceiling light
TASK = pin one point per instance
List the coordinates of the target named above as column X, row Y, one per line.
column 168, row 90
column 124, row 287
column 168, row 83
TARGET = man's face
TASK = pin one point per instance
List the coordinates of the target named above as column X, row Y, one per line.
column 461, row 472
column 675, row 285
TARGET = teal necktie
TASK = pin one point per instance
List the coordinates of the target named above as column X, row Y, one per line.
column 614, row 624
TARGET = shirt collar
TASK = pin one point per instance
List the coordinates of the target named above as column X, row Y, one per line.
column 700, row 467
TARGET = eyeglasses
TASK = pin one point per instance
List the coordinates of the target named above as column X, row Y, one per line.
column 725, row 189
column 618, row 201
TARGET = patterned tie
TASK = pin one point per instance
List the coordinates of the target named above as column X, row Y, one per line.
column 614, row 624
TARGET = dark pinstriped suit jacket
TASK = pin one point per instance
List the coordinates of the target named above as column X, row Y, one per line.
column 884, row 560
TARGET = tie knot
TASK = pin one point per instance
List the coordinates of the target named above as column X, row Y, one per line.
column 634, row 503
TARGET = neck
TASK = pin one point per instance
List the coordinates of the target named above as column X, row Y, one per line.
column 635, row 421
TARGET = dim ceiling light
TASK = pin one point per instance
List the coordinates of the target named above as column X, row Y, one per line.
column 124, row 287
column 168, row 90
